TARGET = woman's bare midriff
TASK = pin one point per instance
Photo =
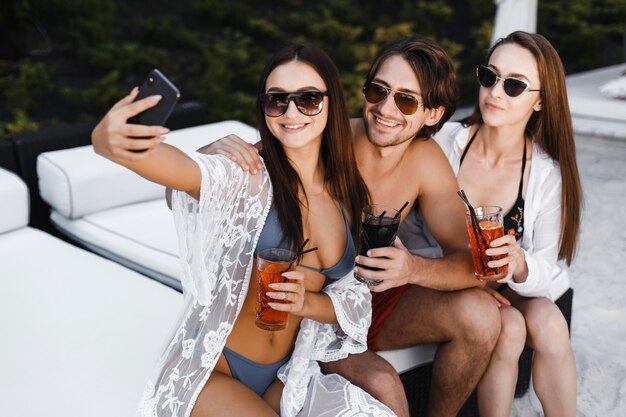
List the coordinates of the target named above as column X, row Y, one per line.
column 266, row 347
column 258, row 345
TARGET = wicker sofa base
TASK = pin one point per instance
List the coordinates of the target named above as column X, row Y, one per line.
column 417, row 387
column 417, row 381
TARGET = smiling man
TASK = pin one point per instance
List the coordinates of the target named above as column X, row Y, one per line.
column 410, row 91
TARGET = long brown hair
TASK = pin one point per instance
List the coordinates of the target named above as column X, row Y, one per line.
column 435, row 73
column 551, row 129
column 341, row 175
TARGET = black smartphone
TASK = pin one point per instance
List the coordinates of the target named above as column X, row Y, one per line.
column 156, row 84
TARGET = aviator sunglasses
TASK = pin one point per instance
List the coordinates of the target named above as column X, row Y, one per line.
column 375, row 93
column 309, row 103
column 513, row 87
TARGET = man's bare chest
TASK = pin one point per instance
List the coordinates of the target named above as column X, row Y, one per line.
column 394, row 192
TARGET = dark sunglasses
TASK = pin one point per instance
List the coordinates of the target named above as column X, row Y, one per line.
column 375, row 93
column 309, row 103
column 513, row 87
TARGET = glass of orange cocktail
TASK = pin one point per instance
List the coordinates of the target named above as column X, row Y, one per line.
column 484, row 227
column 271, row 264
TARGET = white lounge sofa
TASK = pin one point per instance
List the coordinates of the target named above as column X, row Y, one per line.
column 114, row 212
column 80, row 333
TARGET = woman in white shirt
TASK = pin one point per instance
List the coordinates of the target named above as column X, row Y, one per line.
column 517, row 152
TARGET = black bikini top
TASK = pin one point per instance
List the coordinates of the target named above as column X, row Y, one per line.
column 514, row 219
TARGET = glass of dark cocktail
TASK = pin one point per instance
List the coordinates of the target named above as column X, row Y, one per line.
column 379, row 225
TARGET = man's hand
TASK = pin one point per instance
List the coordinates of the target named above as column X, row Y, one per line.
column 398, row 266
column 237, row 150
column 497, row 297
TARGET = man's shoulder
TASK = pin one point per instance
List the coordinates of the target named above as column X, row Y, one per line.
column 426, row 151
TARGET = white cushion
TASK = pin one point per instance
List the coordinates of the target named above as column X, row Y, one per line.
column 81, row 334
column 594, row 114
column 404, row 360
column 140, row 236
column 76, row 181
column 14, row 202
column 615, row 88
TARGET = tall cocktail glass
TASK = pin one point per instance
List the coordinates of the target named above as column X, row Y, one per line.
column 271, row 264
column 487, row 226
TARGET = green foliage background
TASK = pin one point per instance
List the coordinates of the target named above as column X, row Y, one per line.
column 69, row 60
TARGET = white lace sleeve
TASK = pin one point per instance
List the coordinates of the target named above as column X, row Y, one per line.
column 353, row 306
column 220, row 193
column 217, row 236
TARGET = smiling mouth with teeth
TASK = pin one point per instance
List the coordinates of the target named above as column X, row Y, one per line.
column 293, row 126
column 385, row 123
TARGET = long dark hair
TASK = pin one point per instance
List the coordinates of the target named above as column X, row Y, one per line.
column 341, row 175
column 435, row 73
column 551, row 129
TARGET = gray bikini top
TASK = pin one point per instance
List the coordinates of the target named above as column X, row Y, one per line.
column 272, row 236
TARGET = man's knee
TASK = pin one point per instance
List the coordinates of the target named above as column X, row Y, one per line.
column 477, row 317
column 384, row 383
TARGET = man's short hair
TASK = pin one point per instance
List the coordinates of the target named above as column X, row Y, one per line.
column 434, row 71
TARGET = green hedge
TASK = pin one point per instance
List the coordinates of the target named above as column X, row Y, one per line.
column 69, row 60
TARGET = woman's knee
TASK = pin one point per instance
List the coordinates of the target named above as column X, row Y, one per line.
column 547, row 328
column 512, row 335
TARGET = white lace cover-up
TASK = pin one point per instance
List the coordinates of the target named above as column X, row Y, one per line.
column 217, row 237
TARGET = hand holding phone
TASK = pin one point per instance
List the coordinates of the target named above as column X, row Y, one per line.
column 156, row 84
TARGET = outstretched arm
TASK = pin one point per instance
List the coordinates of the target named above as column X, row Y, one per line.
column 116, row 139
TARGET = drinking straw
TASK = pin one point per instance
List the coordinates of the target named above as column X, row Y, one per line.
column 307, row 251
column 475, row 228
column 406, row 203
column 302, row 246
column 299, row 254
column 380, row 217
